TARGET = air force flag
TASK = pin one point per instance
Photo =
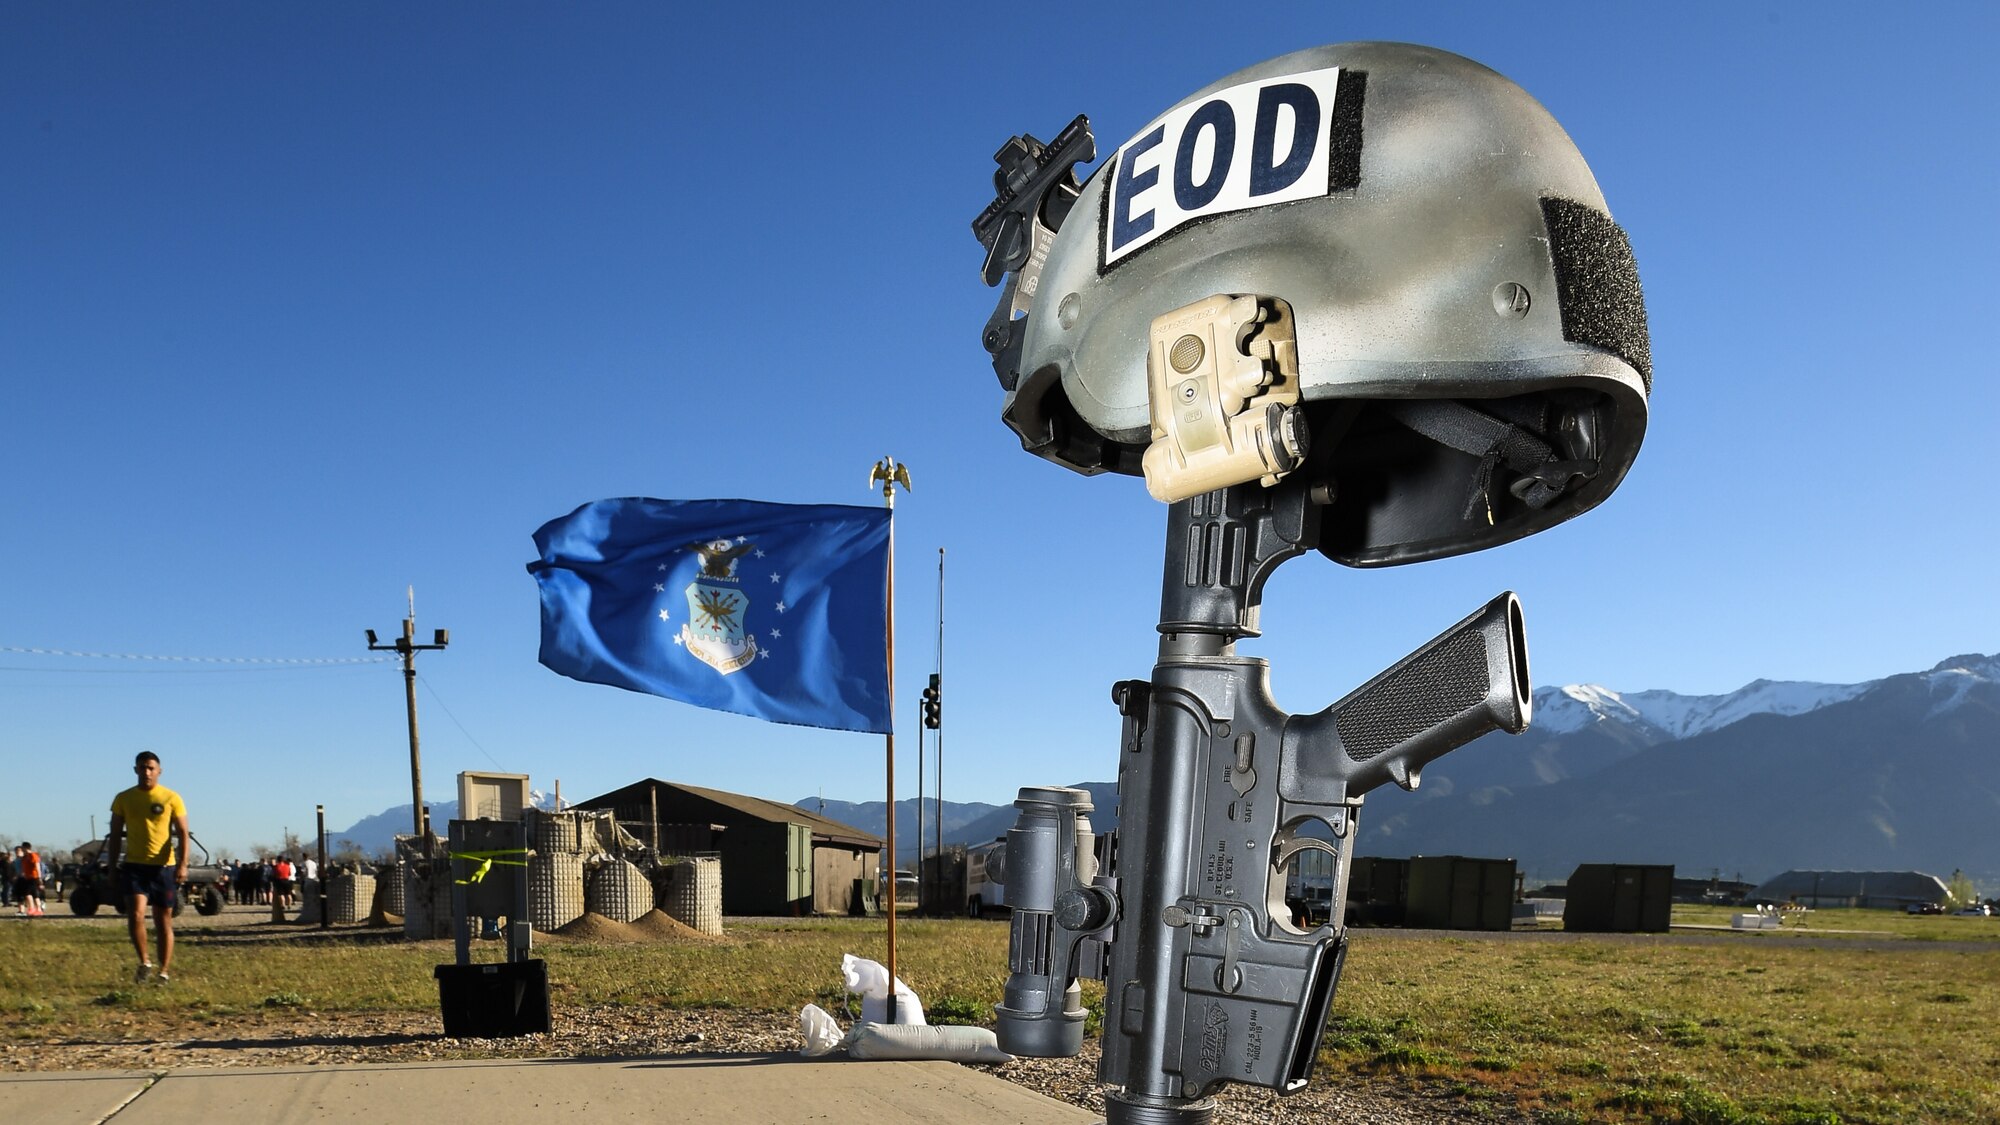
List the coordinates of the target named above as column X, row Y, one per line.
column 775, row 611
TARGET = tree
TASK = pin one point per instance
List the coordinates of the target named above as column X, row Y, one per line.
column 1960, row 891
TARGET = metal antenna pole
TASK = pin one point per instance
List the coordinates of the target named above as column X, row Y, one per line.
column 923, row 893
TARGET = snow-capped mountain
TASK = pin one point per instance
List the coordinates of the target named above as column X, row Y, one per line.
column 1670, row 715
column 1951, row 679
column 1898, row 773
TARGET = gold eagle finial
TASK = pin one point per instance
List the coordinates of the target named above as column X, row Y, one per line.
column 889, row 472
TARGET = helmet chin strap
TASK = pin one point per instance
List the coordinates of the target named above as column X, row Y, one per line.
column 1542, row 473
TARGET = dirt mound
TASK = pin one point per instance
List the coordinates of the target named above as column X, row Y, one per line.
column 661, row 926
column 654, row 925
column 596, row 927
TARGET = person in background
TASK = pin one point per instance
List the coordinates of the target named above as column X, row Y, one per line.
column 152, row 819
column 28, row 885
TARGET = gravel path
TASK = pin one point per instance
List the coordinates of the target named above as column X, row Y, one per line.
column 303, row 1038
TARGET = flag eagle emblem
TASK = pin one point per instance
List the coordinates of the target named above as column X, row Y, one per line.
column 718, row 609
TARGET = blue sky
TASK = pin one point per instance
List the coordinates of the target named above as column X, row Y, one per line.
column 302, row 305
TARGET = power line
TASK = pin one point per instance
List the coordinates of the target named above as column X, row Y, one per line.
column 176, row 671
column 257, row 660
column 425, row 680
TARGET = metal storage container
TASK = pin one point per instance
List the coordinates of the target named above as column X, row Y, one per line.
column 1455, row 892
column 1620, row 898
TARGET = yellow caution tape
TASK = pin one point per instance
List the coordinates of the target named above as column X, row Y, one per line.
column 486, row 860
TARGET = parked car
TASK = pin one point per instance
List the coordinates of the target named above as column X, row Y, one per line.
column 1924, row 908
column 1976, row 910
column 906, row 884
column 96, row 884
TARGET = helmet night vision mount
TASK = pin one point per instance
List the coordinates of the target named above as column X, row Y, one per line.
column 1363, row 299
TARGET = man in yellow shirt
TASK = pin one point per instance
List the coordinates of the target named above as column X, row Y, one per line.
column 153, row 820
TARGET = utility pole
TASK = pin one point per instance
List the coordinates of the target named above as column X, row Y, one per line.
column 407, row 645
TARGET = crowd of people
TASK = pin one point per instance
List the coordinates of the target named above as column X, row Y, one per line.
column 29, row 881
column 258, row 882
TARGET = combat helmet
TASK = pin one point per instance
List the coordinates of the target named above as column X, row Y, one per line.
column 1379, row 265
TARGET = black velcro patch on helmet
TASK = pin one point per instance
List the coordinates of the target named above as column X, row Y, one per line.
column 1343, row 169
column 1597, row 283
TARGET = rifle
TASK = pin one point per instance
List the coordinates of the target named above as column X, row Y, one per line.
column 1208, row 979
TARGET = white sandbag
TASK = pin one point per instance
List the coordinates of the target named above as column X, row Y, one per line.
column 909, row 1041
column 871, row 980
column 819, row 1031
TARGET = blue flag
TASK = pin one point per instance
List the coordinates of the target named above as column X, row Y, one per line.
column 776, row 611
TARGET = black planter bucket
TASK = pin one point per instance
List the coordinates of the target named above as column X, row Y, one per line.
column 494, row 1000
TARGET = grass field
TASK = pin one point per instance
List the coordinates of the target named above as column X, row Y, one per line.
column 1736, row 1031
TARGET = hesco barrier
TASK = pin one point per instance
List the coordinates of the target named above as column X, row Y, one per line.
column 349, row 896
column 617, row 890
column 555, row 890
column 390, row 880
column 427, row 899
column 553, row 832
column 690, row 891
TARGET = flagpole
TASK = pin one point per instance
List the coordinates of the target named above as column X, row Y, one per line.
column 937, row 740
column 891, row 473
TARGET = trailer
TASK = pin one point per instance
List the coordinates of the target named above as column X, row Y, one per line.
column 985, row 879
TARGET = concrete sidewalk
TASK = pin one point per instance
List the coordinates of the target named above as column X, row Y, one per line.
column 689, row 1089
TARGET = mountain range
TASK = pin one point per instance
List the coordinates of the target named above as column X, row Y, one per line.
column 1900, row 773
column 376, row 835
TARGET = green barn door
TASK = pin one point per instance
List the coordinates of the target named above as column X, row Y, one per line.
column 798, row 863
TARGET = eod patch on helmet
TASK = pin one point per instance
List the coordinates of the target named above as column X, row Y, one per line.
column 1379, row 265
column 1255, row 144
